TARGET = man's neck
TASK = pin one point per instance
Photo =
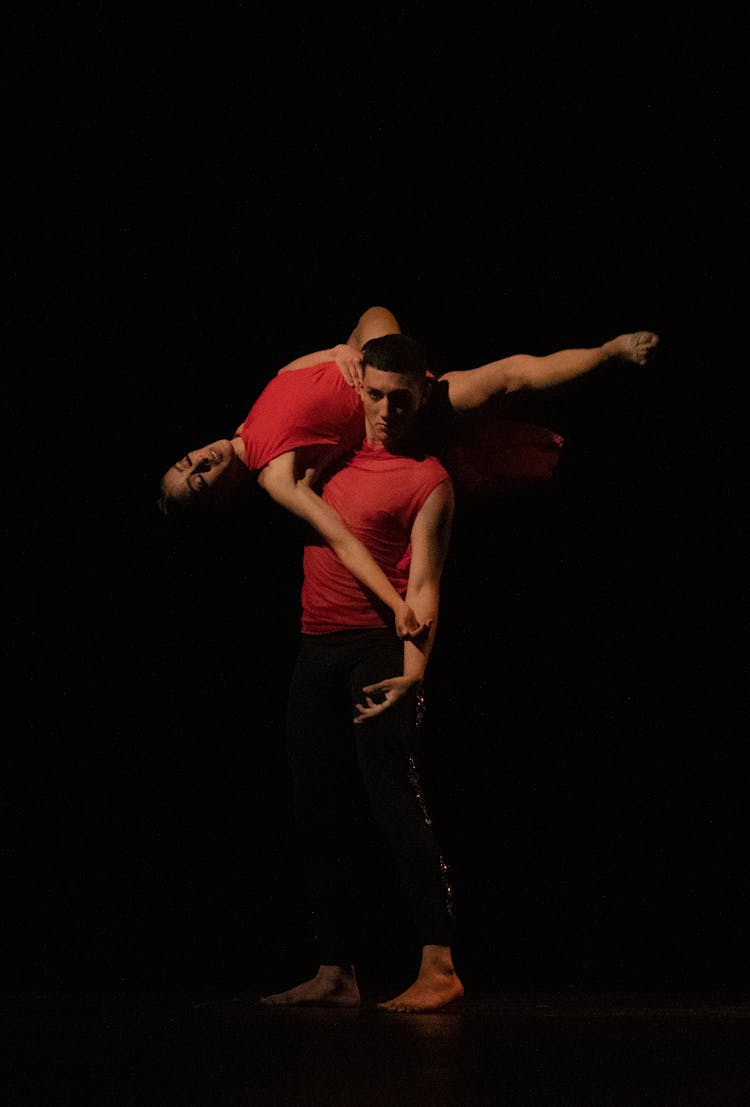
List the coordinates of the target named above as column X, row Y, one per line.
column 375, row 443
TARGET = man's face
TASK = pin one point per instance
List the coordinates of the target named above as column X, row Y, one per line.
column 199, row 472
column 391, row 402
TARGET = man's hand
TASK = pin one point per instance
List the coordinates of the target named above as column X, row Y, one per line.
column 388, row 692
column 349, row 361
column 408, row 626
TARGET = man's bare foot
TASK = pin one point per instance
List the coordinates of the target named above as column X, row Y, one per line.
column 426, row 995
column 436, row 985
column 332, row 986
column 636, row 347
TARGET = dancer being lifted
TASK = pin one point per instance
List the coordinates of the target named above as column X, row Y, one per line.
column 310, row 415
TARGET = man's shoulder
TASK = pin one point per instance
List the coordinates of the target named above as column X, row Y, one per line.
column 428, row 474
column 426, row 464
column 436, row 467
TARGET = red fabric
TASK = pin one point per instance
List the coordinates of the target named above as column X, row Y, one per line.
column 484, row 453
column 378, row 496
column 303, row 407
column 487, row 455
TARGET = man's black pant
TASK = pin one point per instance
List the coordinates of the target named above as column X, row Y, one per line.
column 342, row 773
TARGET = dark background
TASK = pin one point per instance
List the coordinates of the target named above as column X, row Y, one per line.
column 199, row 199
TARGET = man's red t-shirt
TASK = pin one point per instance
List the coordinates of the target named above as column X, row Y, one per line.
column 378, row 496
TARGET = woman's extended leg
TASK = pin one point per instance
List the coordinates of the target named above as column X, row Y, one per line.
column 470, row 388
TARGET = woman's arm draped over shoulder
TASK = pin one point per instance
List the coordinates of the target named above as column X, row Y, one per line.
column 285, row 485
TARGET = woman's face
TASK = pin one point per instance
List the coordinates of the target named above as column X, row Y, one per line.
column 200, row 472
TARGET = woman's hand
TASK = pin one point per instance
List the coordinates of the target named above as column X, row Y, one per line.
column 387, row 692
column 349, row 361
column 408, row 626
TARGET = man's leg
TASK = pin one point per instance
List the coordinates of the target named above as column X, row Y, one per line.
column 329, row 813
column 373, row 323
column 385, row 757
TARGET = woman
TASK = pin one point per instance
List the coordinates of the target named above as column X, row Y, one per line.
column 310, row 415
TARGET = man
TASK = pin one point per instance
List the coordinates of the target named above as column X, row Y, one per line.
column 400, row 505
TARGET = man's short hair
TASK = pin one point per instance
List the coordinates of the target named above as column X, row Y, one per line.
column 396, row 353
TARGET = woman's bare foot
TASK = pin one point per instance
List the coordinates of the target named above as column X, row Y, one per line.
column 436, row 985
column 636, row 347
column 332, row 986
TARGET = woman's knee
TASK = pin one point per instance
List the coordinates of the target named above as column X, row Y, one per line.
column 374, row 323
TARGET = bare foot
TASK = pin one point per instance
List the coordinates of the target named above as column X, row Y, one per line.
column 636, row 347
column 332, row 986
column 429, row 992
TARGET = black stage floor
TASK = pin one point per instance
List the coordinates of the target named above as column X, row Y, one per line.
column 555, row 1049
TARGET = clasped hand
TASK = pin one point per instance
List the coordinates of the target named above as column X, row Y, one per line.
column 408, row 626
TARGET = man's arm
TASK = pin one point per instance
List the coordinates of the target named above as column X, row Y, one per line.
column 430, row 537
column 470, row 388
column 292, row 490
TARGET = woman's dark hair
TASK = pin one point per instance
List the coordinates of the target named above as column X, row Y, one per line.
column 396, row 353
column 236, row 491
